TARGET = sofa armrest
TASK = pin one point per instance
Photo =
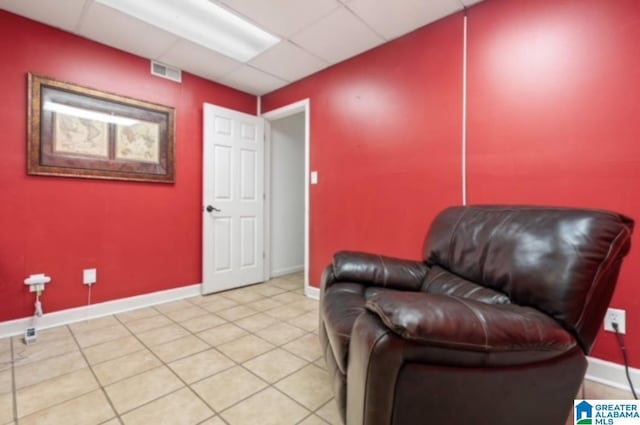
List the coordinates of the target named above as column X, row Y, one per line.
column 378, row 270
column 458, row 323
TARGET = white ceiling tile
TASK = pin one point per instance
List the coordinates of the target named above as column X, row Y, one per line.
column 337, row 37
column 46, row 11
column 436, row 9
column 389, row 19
column 470, row 2
column 288, row 61
column 121, row 31
column 393, row 19
column 282, row 17
column 252, row 81
column 316, row 34
column 198, row 60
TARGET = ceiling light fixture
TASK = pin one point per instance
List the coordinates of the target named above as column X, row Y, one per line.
column 201, row 22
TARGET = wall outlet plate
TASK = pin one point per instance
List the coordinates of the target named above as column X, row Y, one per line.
column 618, row 316
column 89, row 276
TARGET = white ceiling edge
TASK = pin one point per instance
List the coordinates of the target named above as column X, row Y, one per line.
column 333, row 32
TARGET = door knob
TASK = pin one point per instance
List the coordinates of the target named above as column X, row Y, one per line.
column 211, row 208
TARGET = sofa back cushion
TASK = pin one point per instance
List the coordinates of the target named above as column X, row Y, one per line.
column 442, row 282
column 561, row 261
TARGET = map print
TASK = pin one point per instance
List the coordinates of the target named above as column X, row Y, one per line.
column 138, row 142
column 80, row 136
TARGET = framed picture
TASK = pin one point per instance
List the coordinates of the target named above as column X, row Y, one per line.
column 76, row 131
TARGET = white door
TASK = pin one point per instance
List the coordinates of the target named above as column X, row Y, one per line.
column 233, row 197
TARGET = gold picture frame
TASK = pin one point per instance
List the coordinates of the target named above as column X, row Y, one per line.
column 76, row 131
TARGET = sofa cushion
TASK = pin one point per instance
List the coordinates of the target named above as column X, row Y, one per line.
column 441, row 281
column 341, row 305
column 453, row 322
column 561, row 261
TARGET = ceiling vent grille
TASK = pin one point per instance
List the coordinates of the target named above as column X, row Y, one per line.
column 166, row 71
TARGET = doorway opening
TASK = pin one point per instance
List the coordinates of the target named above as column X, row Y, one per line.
column 287, row 192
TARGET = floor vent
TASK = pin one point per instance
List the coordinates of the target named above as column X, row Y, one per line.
column 166, row 71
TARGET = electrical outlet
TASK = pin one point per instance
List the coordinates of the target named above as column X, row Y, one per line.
column 89, row 276
column 618, row 316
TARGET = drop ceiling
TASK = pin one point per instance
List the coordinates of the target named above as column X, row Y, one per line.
column 315, row 34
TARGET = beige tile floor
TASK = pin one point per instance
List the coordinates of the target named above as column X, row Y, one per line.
column 243, row 357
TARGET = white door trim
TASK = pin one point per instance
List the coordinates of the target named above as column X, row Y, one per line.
column 283, row 112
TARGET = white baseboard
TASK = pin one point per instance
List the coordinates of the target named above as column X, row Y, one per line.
column 611, row 374
column 287, row 270
column 312, row 292
column 64, row 317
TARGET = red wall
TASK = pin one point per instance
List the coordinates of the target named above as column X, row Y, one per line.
column 553, row 118
column 142, row 237
column 385, row 136
column 552, row 111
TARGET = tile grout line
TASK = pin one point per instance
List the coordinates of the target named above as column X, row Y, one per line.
column 269, row 384
column 241, row 365
column 81, row 350
column 90, row 366
column 133, row 334
column 315, row 412
column 216, row 412
column 312, row 414
column 96, row 378
column 281, row 346
column 17, row 419
column 163, row 363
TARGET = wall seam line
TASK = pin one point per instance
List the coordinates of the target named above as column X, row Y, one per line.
column 464, row 110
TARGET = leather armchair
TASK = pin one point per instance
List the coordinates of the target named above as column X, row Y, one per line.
column 492, row 327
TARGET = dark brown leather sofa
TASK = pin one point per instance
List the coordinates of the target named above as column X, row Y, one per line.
column 491, row 328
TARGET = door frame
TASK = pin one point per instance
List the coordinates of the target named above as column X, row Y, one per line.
column 276, row 114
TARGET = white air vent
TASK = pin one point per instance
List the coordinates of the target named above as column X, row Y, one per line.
column 166, row 71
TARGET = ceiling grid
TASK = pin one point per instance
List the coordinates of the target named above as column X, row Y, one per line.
column 313, row 34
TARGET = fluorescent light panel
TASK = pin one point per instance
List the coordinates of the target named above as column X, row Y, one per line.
column 201, row 22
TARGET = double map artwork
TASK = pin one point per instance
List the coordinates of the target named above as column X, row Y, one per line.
column 77, row 131
column 87, row 137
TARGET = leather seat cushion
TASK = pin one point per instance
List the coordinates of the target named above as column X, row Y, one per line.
column 466, row 325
